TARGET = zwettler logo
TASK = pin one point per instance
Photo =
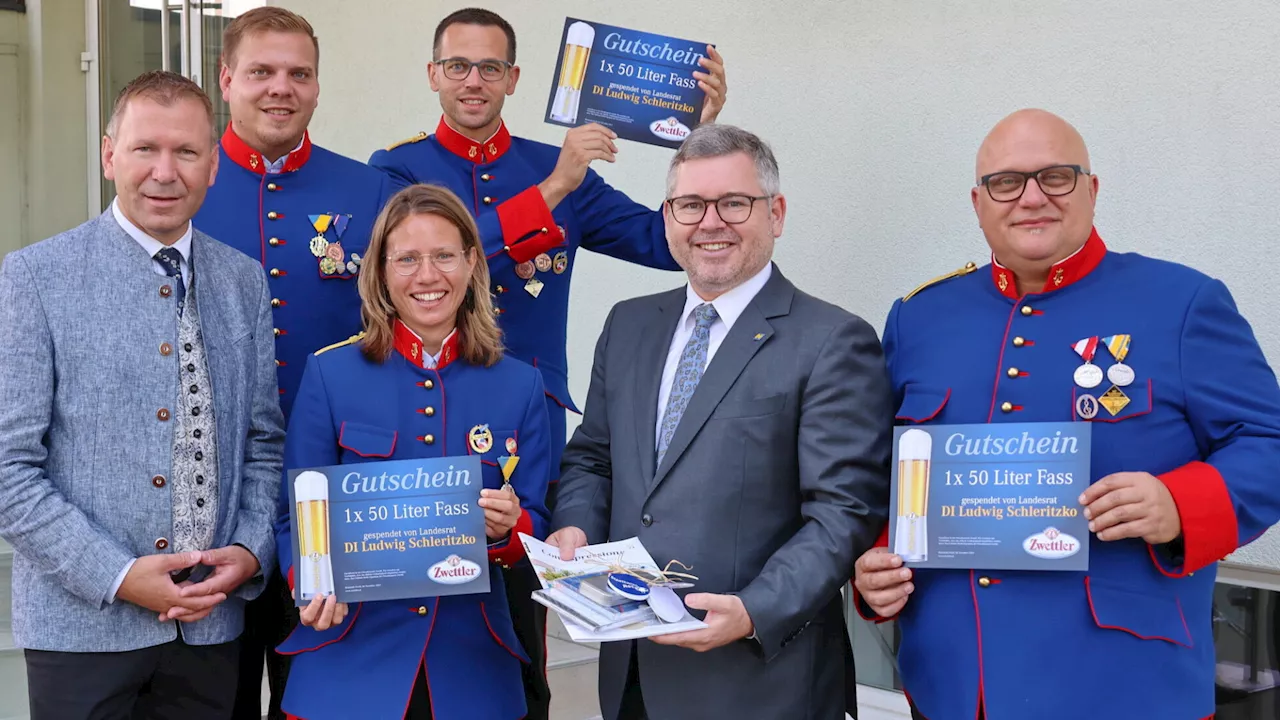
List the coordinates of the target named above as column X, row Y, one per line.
column 1051, row 544
column 453, row 570
column 669, row 129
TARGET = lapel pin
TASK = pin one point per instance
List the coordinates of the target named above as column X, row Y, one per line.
column 759, row 337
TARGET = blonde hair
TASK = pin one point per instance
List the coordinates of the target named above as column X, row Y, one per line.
column 479, row 339
column 165, row 88
column 262, row 20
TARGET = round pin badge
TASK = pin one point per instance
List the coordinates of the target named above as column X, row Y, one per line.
column 628, row 586
column 1088, row 375
column 1087, row 406
column 542, row 262
column 524, row 270
column 1120, row 374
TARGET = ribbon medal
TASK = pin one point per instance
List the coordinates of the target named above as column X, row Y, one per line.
column 319, row 244
column 1087, row 406
column 1087, row 375
column 507, row 463
column 1119, row 374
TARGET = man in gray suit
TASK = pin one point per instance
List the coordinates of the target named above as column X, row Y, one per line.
column 743, row 428
column 140, row 433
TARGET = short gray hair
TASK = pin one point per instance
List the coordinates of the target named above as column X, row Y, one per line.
column 714, row 140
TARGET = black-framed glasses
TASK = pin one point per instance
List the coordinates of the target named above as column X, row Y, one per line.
column 491, row 70
column 1055, row 180
column 732, row 209
column 406, row 264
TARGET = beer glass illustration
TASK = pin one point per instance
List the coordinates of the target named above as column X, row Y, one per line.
column 911, row 536
column 577, row 49
column 315, row 567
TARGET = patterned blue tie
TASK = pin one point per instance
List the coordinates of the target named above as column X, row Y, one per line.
column 169, row 260
column 688, row 373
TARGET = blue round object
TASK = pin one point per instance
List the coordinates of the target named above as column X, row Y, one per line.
column 628, row 586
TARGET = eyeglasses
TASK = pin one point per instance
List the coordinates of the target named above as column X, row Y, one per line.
column 457, row 68
column 446, row 261
column 1055, row 180
column 732, row 209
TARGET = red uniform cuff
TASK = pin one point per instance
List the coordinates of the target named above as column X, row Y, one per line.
column 290, row 578
column 510, row 553
column 527, row 216
column 1209, row 529
column 864, row 610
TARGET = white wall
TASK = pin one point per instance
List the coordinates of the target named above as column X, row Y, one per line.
column 875, row 111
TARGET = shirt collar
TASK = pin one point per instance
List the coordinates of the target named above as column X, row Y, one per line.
column 1070, row 269
column 148, row 243
column 477, row 152
column 246, row 157
column 275, row 167
column 408, row 344
column 730, row 305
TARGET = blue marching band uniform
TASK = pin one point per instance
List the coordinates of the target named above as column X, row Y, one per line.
column 1187, row 397
column 352, row 410
column 531, row 249
column 308, row 225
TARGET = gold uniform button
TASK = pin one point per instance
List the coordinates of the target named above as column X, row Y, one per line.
column 275, row 302
column 1026, row 310
column 422, row 610
column 486, row 177
column 277, row 331
column 279, row 364
column 1013, row 372
column 162, row 414
column 429, row 384
column 429, row 412
column 166, row 349
column 984, row 581
column 500, row 289
column 273, row 215
column 273, row 242
column 1006, row 407
column 274, row 272
column 273, row 187
column 429, row 439
column 161, row 543
column 1019, row 342
column 488, row 201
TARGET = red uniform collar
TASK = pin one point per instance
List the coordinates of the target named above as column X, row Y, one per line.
column 409, row 345
column 464, row 147
column 1064, row 272
column 253, row 161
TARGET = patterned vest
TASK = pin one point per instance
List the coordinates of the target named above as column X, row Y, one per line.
column 194, row 480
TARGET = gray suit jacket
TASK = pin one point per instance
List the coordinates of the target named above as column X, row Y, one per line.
column 82, row 377
column 776, row 479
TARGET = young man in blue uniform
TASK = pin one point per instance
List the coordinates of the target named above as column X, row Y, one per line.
column 536, row 205
column 1185, row 440
column 305, row 213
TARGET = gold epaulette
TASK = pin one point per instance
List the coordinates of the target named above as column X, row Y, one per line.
column 354, row 338
column 968, row 268
column 416, row 138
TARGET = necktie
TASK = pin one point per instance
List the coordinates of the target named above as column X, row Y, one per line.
column 688, row 373
column 169, row 260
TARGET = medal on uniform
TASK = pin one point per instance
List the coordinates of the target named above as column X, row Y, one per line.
column 511, row 445
column 542, row 262
column 533, row 287
column 340, row 224
column 1087, row 375
column 507, row 463
column 1114, row 400
column 328, row 266
column 524, row 270
column 480, row 438
column 319, row 246
column 560, row 262
column 1087, row 406
column 1119, row 374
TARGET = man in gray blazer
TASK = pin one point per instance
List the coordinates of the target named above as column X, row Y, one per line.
column 140, row 433
column 742, row 427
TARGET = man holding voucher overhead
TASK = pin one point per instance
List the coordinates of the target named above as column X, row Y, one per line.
column 535, row 205
column 1185, row 440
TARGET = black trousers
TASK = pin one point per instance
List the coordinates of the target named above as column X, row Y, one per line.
column 174, row 681
column 632, row 697
column 268, row 620
column 915, row 714
column 530, row 621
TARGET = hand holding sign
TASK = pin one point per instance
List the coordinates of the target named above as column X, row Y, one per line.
column 1131, row 505
column 713, row 83
column 581, row 146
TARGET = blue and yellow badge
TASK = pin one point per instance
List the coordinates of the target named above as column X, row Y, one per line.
column 330, row 253
column 480, row 438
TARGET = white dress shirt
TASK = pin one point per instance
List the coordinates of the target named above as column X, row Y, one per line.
column 275, row 167
column 729, row 307
column 153, row 246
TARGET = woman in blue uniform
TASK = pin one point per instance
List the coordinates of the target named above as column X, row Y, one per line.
column 426, row 378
